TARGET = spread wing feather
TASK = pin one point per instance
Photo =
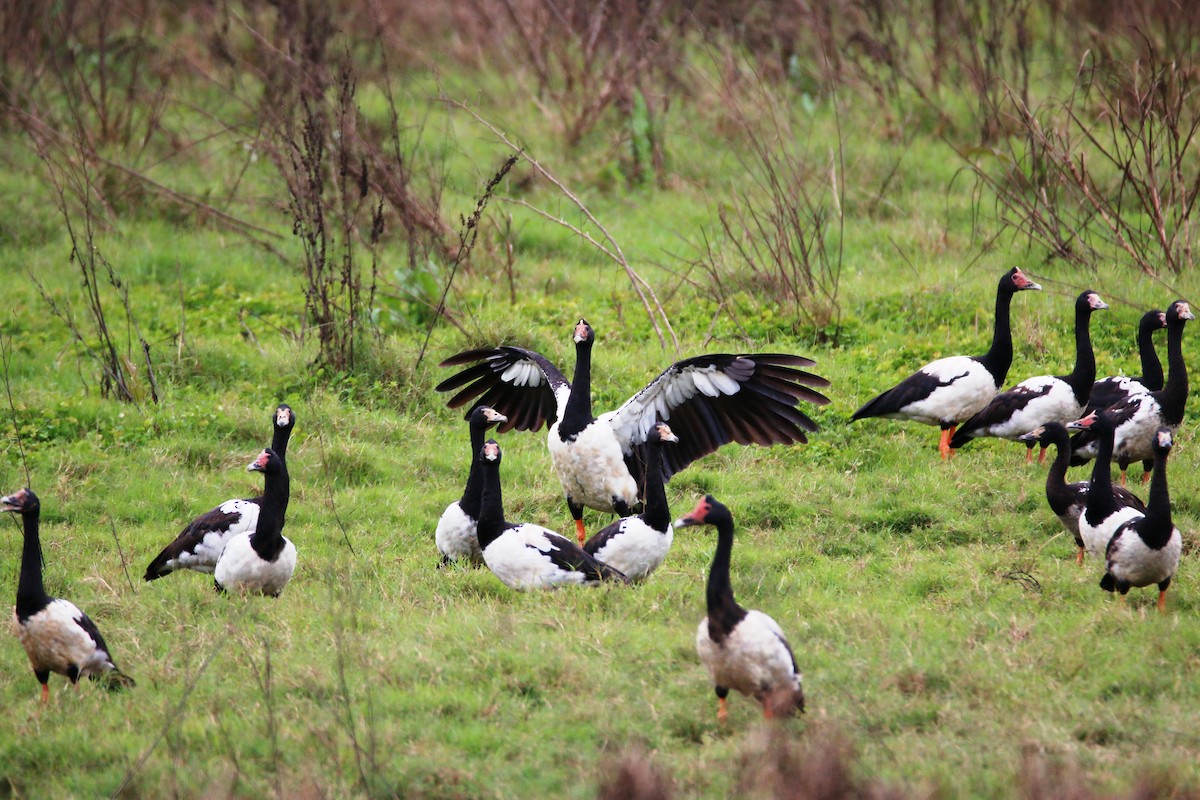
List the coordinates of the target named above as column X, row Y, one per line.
column 520, row 384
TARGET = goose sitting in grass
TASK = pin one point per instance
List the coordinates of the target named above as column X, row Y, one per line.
column 742, row 650
column 709, row 401
column 1067, row 500
column 56, row 635
column 261, row 562
column 527, row 556
column 1145, row 551
column 455, row 535
column 638, row 545
column 200, row 543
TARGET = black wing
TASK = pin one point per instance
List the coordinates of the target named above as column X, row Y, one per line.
column 713, row 400
column 1082, row 447
column 569, row 556
column 1110, row 391
column 999, row 409
column 521, row 384
column 212, row 521
column 598, row 540
column 914, row 388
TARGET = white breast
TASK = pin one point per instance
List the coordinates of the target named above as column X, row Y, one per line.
column 1132, row 562
column 519, row 559
column 241, row 569
column 1095, row 538
column 456, row 536
column 752, row 660
column 591, row 468
column 972, row 389
column 637, row 550
column 53, row 640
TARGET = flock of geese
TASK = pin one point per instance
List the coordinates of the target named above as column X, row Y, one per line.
column 619, row 462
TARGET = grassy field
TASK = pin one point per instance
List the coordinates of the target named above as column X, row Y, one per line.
column 943, row 629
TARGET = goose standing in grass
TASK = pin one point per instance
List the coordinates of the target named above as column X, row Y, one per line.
column 527, row 556
column 708, row 400
column 638, row 545
column 1139, row 416
column 1145, row 550
column 455, row 535
column 1067, row 500
column 947, row 391
column 1046, row 398
column 1110, row 391
column 200, row 543
column 1102, row 514
column 742, row 650
column 263, row 560
column 56, row 635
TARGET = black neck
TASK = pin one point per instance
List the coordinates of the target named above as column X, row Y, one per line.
column 723, row 611
column 1156, row 529
column 267, row 539
column 1152, row 371
column 279, row 441
column 1173, row 396
column 31, row 593
column 1057, row 492
column 1084, row 375
column 491, row 508
column 656, row 513
column 578, row 413
column 1100, row 499
column 473, row 493
column 999, row 356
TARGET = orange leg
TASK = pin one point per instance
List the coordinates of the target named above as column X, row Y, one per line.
column 1079, row 557
column 580, row 532
column 1028, row 455
column 1145, row 478
column 1042, row 455
column 1162, row 602
column 722, row 712
column 45, row 692
column 1122, row 477
column 944, row 443
column 767, row 713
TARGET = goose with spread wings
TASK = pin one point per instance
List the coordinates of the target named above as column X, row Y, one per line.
column 709, row 401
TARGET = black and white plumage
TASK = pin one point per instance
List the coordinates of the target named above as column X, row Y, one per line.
column 1145, row 551
column 742, row 650
column 638, row 545
column 1110, row 391
column 709, row 401
column 1102, row 514
column 56, row 635
column 527, row 556
column 947, row 391
column 1139, row 416
column 200, row 543
column 1067, row 500
column 1046, row 398
column 455, row 534
column 261, row 561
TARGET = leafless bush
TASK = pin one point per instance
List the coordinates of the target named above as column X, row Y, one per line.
column 634, row 777
column 587, row 58
column 1110, row 173
column 781, row 239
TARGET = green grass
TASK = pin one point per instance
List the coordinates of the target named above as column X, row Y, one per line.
column 935, row 608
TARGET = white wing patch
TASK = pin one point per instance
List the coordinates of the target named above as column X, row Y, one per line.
column 523, row 373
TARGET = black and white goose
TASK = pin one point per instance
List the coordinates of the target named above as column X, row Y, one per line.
column 947, row 391
column 1046, row 398
column 742, row 650
column 527, row 556
column 708, row 400
column 638, row 545
column 455, row 535
column 1110, row 391
column 56, row 635
column 1139, row 416
column 1145, row 550
column 261, row 561
column 1102, row 514
column 1067, row 500
column 200, row 543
